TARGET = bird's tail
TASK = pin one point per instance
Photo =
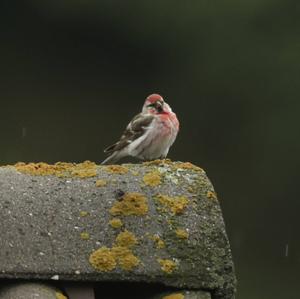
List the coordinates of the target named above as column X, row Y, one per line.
column 111, row 159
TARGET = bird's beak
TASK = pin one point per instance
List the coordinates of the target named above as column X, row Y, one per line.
column 159, row 105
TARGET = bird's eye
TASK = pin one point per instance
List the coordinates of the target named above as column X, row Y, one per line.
column 151, row 105
column 158, row 106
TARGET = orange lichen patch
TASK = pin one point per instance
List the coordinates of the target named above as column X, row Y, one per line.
column 42, row 168
column 181, row 233
column 159, row 243
column 85, row 236
column 116, row 223
column 125, row 258
column 59, row 295
column 101, row 183
column 59, row 169
column 167, row 266
column 126, row 239
column 175, row 204
column 106, row 259
column 120, row 251
column 186, row 165
column 128, row 262
column 84, row 170
column 130, row 204
column 152, row 178
column 174, row 296
column 103, row 259
column 158, row 162
column 83, row 213
column 211, row 195
column 118, row 169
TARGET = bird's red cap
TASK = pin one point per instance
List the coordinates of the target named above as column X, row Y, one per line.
column 154, row 97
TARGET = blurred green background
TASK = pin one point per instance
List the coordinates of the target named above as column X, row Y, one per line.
column 73, row 73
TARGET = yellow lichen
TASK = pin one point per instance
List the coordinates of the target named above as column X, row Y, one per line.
column 84, row 236
column 126, row 239
column 116, row 222
column 118, row 169
column 120, row 251
column 83, row 213
column 84, row 170
column 175, row 204
column 152, row 178
column 106, row 259
column 128, row 262
column 42, row 168
column 211, row 195
column 158, row 162
column 167, row 266
column 103, row 259
column 59, row 295
column 174, row 296
column 191, row 189
column 130, row 204
column 59, row 169
column 181, row 233
column 186, row 165
column 125, row 258
column 159, row 243
column 101, row 183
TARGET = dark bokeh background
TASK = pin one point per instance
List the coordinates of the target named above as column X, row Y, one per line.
column 73, row 73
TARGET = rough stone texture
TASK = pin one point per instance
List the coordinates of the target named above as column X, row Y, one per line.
column 51, row 225
column 30, row 291
column 184, row 295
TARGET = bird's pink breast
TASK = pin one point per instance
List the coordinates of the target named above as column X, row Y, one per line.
column 170, row 119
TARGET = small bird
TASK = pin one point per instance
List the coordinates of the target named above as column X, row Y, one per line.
column 149, row 135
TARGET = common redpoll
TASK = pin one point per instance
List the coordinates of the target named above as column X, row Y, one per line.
column 149, row 135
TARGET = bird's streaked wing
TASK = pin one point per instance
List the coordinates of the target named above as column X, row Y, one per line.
column 134, row 130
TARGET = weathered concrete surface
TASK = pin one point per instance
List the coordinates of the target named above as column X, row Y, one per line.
column 30, row 291
column 58, row 226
